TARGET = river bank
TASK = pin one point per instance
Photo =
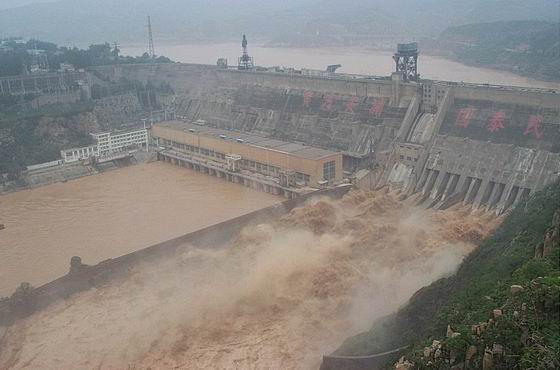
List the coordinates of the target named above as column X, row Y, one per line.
column 64, row 172
column 531, row 76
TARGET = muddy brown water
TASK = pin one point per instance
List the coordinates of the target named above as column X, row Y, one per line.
column 108, row 215
column 279, row 296
column 353, row 60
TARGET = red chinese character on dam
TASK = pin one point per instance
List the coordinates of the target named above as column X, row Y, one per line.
column 377, row 107
column 534, row 126
column 497, row 121
column 464, row 117
column 329, row 102
column 307, row 96
column 352, row 104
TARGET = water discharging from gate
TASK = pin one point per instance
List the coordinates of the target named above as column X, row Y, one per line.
column 278, row 297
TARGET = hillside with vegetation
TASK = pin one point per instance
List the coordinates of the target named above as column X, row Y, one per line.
column 17, row 57
column 292, row 22
column 501, row 310
column 32, row 133
column 367, row 23
column 37, row 136
column 529, row 48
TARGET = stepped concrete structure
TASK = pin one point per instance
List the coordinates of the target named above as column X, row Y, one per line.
column 448, row 143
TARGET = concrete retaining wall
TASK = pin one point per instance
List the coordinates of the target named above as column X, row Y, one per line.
column 46, row 176
column 373, row 362
column 60, row 98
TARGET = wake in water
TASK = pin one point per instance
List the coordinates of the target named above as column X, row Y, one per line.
column 280, row 296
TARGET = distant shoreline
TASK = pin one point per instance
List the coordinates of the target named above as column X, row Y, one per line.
column 488, row 74
column 501, row 68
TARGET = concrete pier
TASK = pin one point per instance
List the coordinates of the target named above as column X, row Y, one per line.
column 214, row 169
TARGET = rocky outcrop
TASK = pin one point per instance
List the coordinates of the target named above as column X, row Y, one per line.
column 115, row 111
column 404, row 364
column 551, row 238
column 521, row 311
column 65, row 131
column 76, row 265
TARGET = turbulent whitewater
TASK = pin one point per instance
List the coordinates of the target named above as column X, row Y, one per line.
column 278, row 296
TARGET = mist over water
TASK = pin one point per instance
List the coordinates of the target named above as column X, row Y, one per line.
column 353, row 60
column 279, row 296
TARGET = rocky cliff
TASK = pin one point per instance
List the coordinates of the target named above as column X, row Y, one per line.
column 500, row 311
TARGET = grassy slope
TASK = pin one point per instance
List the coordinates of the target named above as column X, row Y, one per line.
column 481, row 285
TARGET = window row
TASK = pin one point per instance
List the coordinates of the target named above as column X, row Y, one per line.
column 265, row 169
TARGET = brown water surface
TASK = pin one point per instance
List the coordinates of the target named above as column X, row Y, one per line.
column 280, row 296
column 353, row 60
column 108, row 215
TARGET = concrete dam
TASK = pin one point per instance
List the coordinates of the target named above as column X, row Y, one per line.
column 303, row 275
column 446, row 143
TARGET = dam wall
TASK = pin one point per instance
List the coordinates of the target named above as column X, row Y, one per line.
column 214, row 236
column 509, row 95
column 355, row 116
column 479, row 145
column 189, row 77
column 445, row 142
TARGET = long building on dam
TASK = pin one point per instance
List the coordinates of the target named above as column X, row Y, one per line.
column 488, row 146
column 310, row 165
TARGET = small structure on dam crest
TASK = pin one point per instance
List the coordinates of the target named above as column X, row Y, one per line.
column 245, row 62
column 406, row 59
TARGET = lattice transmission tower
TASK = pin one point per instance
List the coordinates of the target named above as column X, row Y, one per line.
column 151, row 50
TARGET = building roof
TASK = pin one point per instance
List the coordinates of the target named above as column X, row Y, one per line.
column 134, row 128
column 297, row 150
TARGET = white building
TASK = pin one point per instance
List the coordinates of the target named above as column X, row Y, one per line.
column 79, row 154
column 66, row 67
column 108, row 143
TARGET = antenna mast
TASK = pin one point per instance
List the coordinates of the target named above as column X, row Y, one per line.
column 151, row 50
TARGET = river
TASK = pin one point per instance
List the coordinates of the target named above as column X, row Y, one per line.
column 108, row 215
column 281, row 296
column 353, row 60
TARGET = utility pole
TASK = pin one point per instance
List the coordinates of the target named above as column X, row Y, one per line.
column 116, row 52
column 151, row 50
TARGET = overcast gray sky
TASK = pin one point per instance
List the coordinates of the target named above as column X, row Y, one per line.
column 284, row 21
column 7, row 4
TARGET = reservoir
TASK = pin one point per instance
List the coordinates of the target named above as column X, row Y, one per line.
column 353, row 60
column 108, row 215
